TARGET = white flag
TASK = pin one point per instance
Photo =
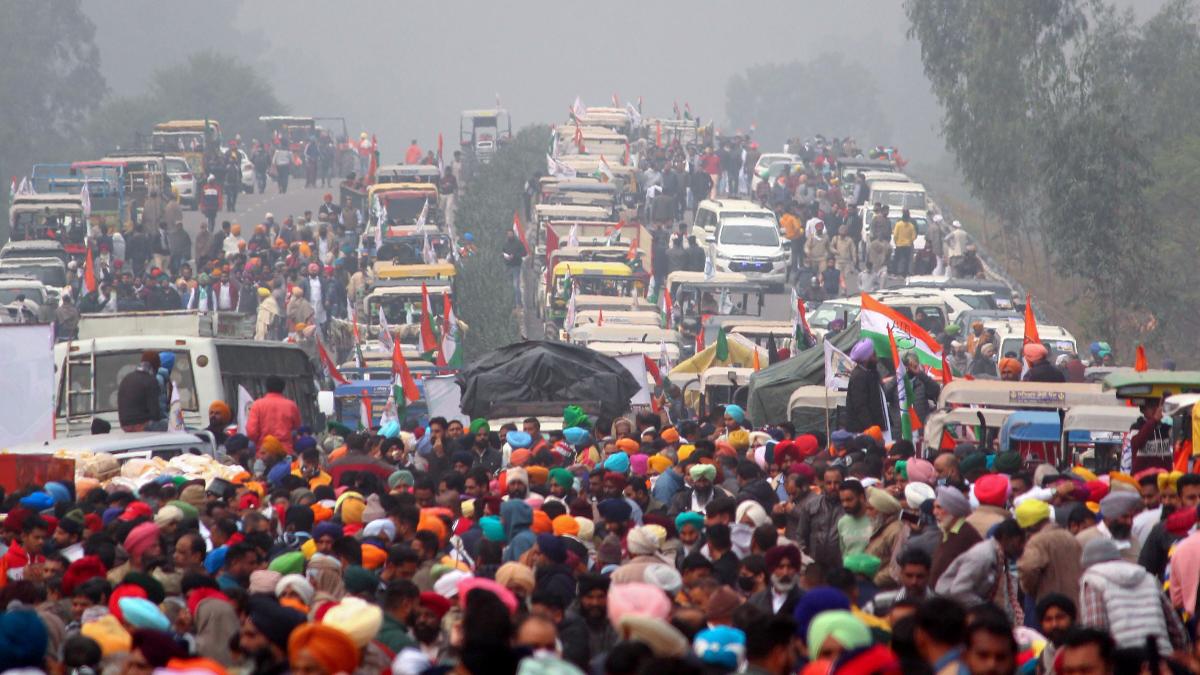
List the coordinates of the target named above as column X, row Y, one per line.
column 244, row 403
column 573, row 236
column 427, row 253
column 85, row 198
column 558, row 169
column 709, row 272
column 634, row 116
column 385, row 332
column 837, row 367
column 175, row 411
column 569, row 323
column 423, row 215
column 578, row 108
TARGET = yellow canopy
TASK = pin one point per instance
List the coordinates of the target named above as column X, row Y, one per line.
column 741, row 354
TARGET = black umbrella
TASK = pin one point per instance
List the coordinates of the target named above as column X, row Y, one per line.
column 541, row 371
column 772, row 349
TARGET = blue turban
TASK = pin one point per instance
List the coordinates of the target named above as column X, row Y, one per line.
column 819, row 599
column 493, row 528
column 141, row 613
column 722, row 646
column 575, row 436
column 326, row 528
column 279, row 473
column 552, row 547
column 615, row 510
column 305, row 443
column 391, row 429
column 692, row 518
column 110, row 514
column 735, row 411
column 38, row 501
column 518, row 439
column 23, row 640
column 59, row 491
column 618, row 462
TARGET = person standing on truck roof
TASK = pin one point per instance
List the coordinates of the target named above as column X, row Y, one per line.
column 273, row 415
column 413, row 154
column 137, row 395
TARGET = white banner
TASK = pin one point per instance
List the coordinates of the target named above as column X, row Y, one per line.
column 636, row 365
column 245, row 400
column 444, row 399
column 837, row 367
column 27, row 361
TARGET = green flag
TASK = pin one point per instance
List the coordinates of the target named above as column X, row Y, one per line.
column 722, row 346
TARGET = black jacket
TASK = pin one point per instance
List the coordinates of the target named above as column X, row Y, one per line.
column 864, row 400
column 137, row 399
column 1043, row 371
column 515, row 252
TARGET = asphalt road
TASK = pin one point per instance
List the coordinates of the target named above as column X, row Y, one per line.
column 253, row 208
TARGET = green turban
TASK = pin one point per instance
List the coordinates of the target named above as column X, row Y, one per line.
column 689, row 518
column 478, row 424
column 840, row 625
column 862, row 563
column 573, row 416
column 698, row 471
column 189, row 511
column 563, row 477
column 288, row 563
column 360, row 581
column 1007, row 462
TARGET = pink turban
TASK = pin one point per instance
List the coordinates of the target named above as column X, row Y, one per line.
column 637, row 599
column 1034, row 352
column 920, row 471
column 471, row 583
column 140, row 539
column 638, row 464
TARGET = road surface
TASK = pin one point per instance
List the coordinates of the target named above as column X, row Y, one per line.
column 253, row 208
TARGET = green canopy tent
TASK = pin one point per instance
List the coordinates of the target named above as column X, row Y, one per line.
column 771, row 387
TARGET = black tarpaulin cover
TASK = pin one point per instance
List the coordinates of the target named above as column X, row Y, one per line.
column 525, row 372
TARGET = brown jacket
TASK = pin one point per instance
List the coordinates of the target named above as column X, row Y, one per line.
column 1050, row 563
column 882, row 543
column 954, row 543
column 986, row 517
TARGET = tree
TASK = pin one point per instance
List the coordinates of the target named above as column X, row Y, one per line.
column 50, row 76
column 992, row 66
column 483, row 290
column 828, row 95
column 219, row 87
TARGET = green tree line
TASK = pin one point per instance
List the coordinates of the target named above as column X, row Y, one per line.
column 1076, row 126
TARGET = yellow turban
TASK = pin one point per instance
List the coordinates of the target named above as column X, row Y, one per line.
column 1031, row 512
column 352, row 511
column 740, row 440
column 659, row 463
column 685, row 451
column 1083, row 473
column 1167, row 481
column 109, row 634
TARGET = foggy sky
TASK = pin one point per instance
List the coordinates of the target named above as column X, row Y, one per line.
column 405, row 70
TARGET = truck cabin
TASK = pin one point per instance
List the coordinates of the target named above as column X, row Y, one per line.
column 408, row 249
column 53, row 216
column 290, row 130
column 483, row 131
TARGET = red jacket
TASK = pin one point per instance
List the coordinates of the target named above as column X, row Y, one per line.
column 273, row 415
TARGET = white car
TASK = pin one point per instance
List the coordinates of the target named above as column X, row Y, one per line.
column 764, row 163
column 751, row 246
column 183, row 181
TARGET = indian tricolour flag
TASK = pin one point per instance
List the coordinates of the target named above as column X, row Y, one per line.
column 904, row 391
column 876, row 318
column 449, row 355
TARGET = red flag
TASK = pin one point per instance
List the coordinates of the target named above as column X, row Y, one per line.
column 658, row 134
column 653, row 369
column 1139, row 363
column 625, row 161
column 668, row 306
column 578, row 137
column 948, row 442
column 1031, row 331
column 757, row 366
column 89, row 272
column 616, row 101
column 632, row 253
column 439, row 147
column 520, row 231
column 947, row 377
column 428, row 342
column 655, row 405
column 600, row 318
column 329, row 365
column 400, row 370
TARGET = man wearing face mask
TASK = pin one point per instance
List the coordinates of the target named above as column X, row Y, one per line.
column 782, row 593
column 950, row 510
column 1117, row 511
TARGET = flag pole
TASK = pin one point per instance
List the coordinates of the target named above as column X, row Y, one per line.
column 827, row 441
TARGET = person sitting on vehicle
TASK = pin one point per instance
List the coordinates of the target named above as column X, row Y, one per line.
column 273, row 415
column 1040, row 369
column 969, row 266
column 137, row 395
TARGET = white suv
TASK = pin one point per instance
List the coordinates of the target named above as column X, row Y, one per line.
column 742, row 237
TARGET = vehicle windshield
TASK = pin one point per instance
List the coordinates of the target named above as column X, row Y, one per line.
column 185, row 141
column 177, row 166
column 33, row 293
column 1013, row 345
column 111, row 368
column 749, row 235
column 50, row 275
column 588, row 285
column 822, row 315
column 903, row 199
column 978, row 301
column 404, row 210
column 20, row 227
column 724, row 302
column 778, row 169
column 405, row 309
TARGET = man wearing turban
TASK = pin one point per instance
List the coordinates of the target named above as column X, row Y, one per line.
column 864, row 395
column 701, row 490
column 950, row 509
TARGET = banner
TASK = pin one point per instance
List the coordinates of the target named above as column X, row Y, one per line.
column 837, row 367
column 636, row 365
column 27, row 361
column 245, row 400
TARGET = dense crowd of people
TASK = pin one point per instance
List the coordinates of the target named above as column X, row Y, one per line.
column 613, row 546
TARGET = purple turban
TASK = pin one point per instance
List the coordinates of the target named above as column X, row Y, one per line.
column 862, row 351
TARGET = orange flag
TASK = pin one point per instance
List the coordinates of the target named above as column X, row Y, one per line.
column 757, row 365
column 1031, row 331
column 89, row 272
column 1139, row 363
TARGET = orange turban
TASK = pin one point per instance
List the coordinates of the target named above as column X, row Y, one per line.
column 565, row 525
column 373, row 557
column 876, row 433
column 321, row 513
column 1009, row 366
column 541, row 523
column 538, row 475
column 519, row 457
column 435, row 525
column 628, row 445
column 328, row 646
column 222, row 411
column 670, row 435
